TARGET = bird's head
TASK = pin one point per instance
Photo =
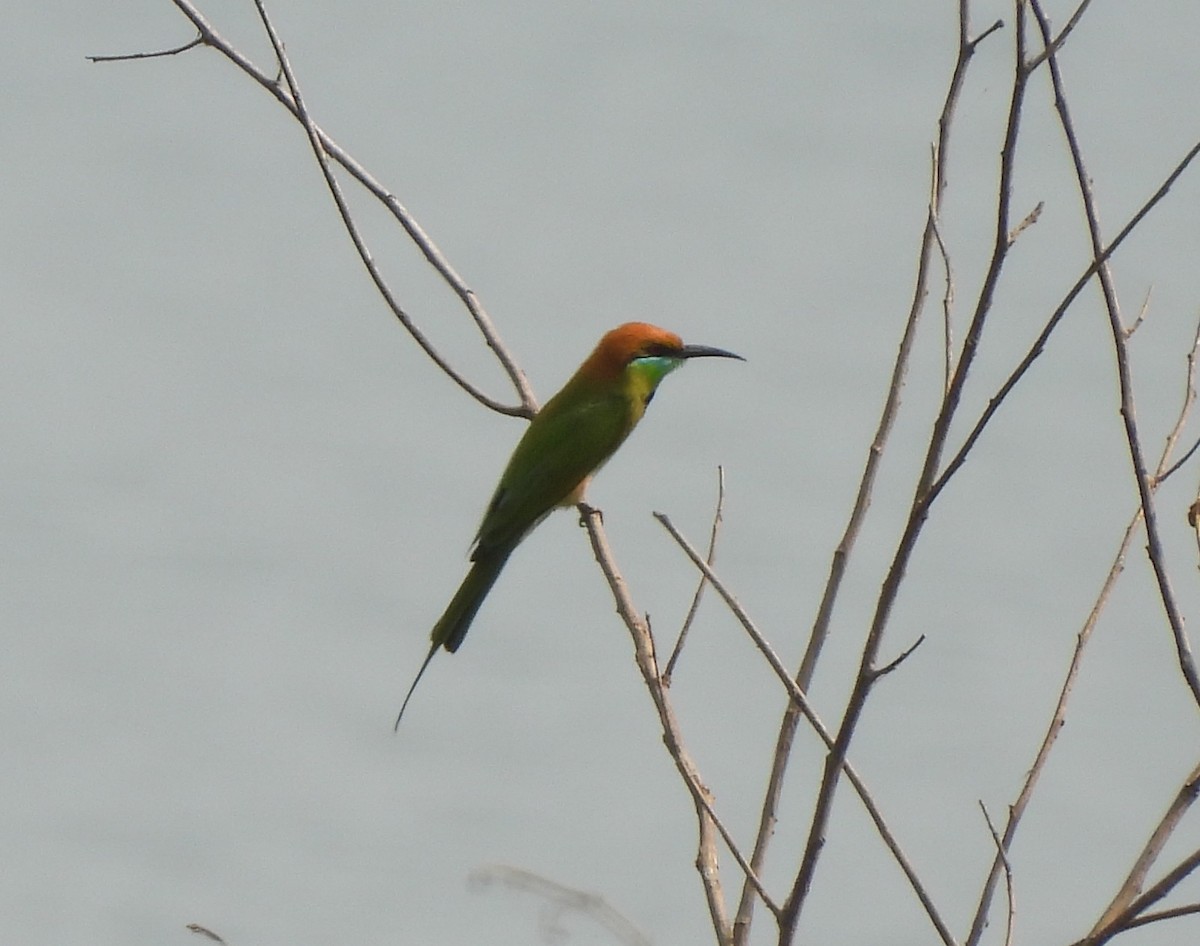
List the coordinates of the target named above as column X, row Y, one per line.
column 645, row 350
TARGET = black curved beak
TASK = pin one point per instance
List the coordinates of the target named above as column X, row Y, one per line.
column 705, row 351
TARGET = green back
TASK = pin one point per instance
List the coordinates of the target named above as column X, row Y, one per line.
column 570, row 438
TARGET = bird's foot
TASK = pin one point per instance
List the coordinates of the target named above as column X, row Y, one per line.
column 586, row 511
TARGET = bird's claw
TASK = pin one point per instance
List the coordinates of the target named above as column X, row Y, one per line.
column 586, row 511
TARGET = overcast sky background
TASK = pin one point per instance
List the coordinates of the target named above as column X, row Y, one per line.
column 234, row 496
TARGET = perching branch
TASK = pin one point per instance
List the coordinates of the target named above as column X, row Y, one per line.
column 702, row 798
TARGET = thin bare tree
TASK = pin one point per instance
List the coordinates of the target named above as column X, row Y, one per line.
column 1034, row 47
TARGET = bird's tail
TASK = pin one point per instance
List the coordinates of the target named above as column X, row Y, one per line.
column 453, row 625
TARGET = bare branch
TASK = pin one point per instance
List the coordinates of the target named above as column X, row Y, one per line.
column 800, row 700
column 841, row 555
column 1053, row 47
column 1141, row 316
column 1127, row 920
column 672, row 738
column 125, row 57
column 1058, row 716
column 1057, row 719
column 948, row 277
column 904, row 655
column 1052, row 323
column 319, row 149
column 433, row 255
column 923, row 497
column 1154, row 547
column 998, row 25
column 1129, row 900
column 1189, row 398
column 1190, row 909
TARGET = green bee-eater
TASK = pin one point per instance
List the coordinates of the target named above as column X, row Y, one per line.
column 566, row 442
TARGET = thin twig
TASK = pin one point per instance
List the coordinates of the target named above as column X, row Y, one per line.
column 1030, row 219
column 897, row 661
column 319, row 149
column 1057, row 720
column 1141, row 316
column 1177, row 430
column 711, row 558
column 997, row 25
column 1053, row 47
column 124, row 57
column 947, row 273
column 1011, row 917
column 1190, row 909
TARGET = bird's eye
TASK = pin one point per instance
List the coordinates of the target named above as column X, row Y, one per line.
column 658, row 350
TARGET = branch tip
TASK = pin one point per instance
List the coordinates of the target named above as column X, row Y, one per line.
column 159, row 54
column 889, row 667
column 994, row 28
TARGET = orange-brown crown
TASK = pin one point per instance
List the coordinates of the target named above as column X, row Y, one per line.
column 625, row 343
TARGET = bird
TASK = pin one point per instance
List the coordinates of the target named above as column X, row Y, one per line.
column 563, row 447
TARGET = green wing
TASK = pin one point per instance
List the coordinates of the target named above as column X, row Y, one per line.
column 569, row 439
